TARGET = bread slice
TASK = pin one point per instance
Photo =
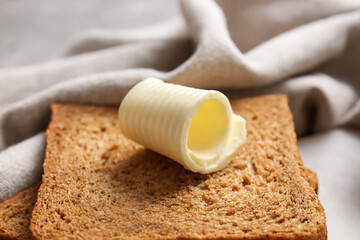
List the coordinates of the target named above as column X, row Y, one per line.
column 99, row 185
column 15, row 214
column 18, row 226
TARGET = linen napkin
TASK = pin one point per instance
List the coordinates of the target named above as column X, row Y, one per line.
column 309, row 50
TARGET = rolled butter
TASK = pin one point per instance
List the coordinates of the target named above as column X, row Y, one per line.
column 194, row 127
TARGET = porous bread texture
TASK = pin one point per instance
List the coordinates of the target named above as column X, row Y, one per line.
column 97, row 184
column 18, row 227
column 22, row 228
column 15, row 214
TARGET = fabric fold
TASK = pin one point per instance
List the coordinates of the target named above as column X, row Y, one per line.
column 308, row 50
column 21, row 165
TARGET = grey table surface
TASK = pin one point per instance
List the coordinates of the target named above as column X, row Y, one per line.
column 35, row 31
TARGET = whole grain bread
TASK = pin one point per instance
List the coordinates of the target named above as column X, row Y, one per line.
column 18, row 226
column 99, row 185
column 15, row 214
column 19, row 207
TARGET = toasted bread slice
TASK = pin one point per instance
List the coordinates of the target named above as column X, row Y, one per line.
column 18, row 227
column 15, row 214
column 99, row 184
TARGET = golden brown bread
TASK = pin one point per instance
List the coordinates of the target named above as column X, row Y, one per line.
column 15, row 214
column 98, row 184
column 18, row 227
column 21, row 219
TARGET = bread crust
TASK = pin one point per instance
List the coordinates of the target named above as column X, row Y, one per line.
column 312, row 178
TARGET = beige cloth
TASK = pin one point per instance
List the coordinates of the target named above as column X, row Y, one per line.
column 309, row 50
